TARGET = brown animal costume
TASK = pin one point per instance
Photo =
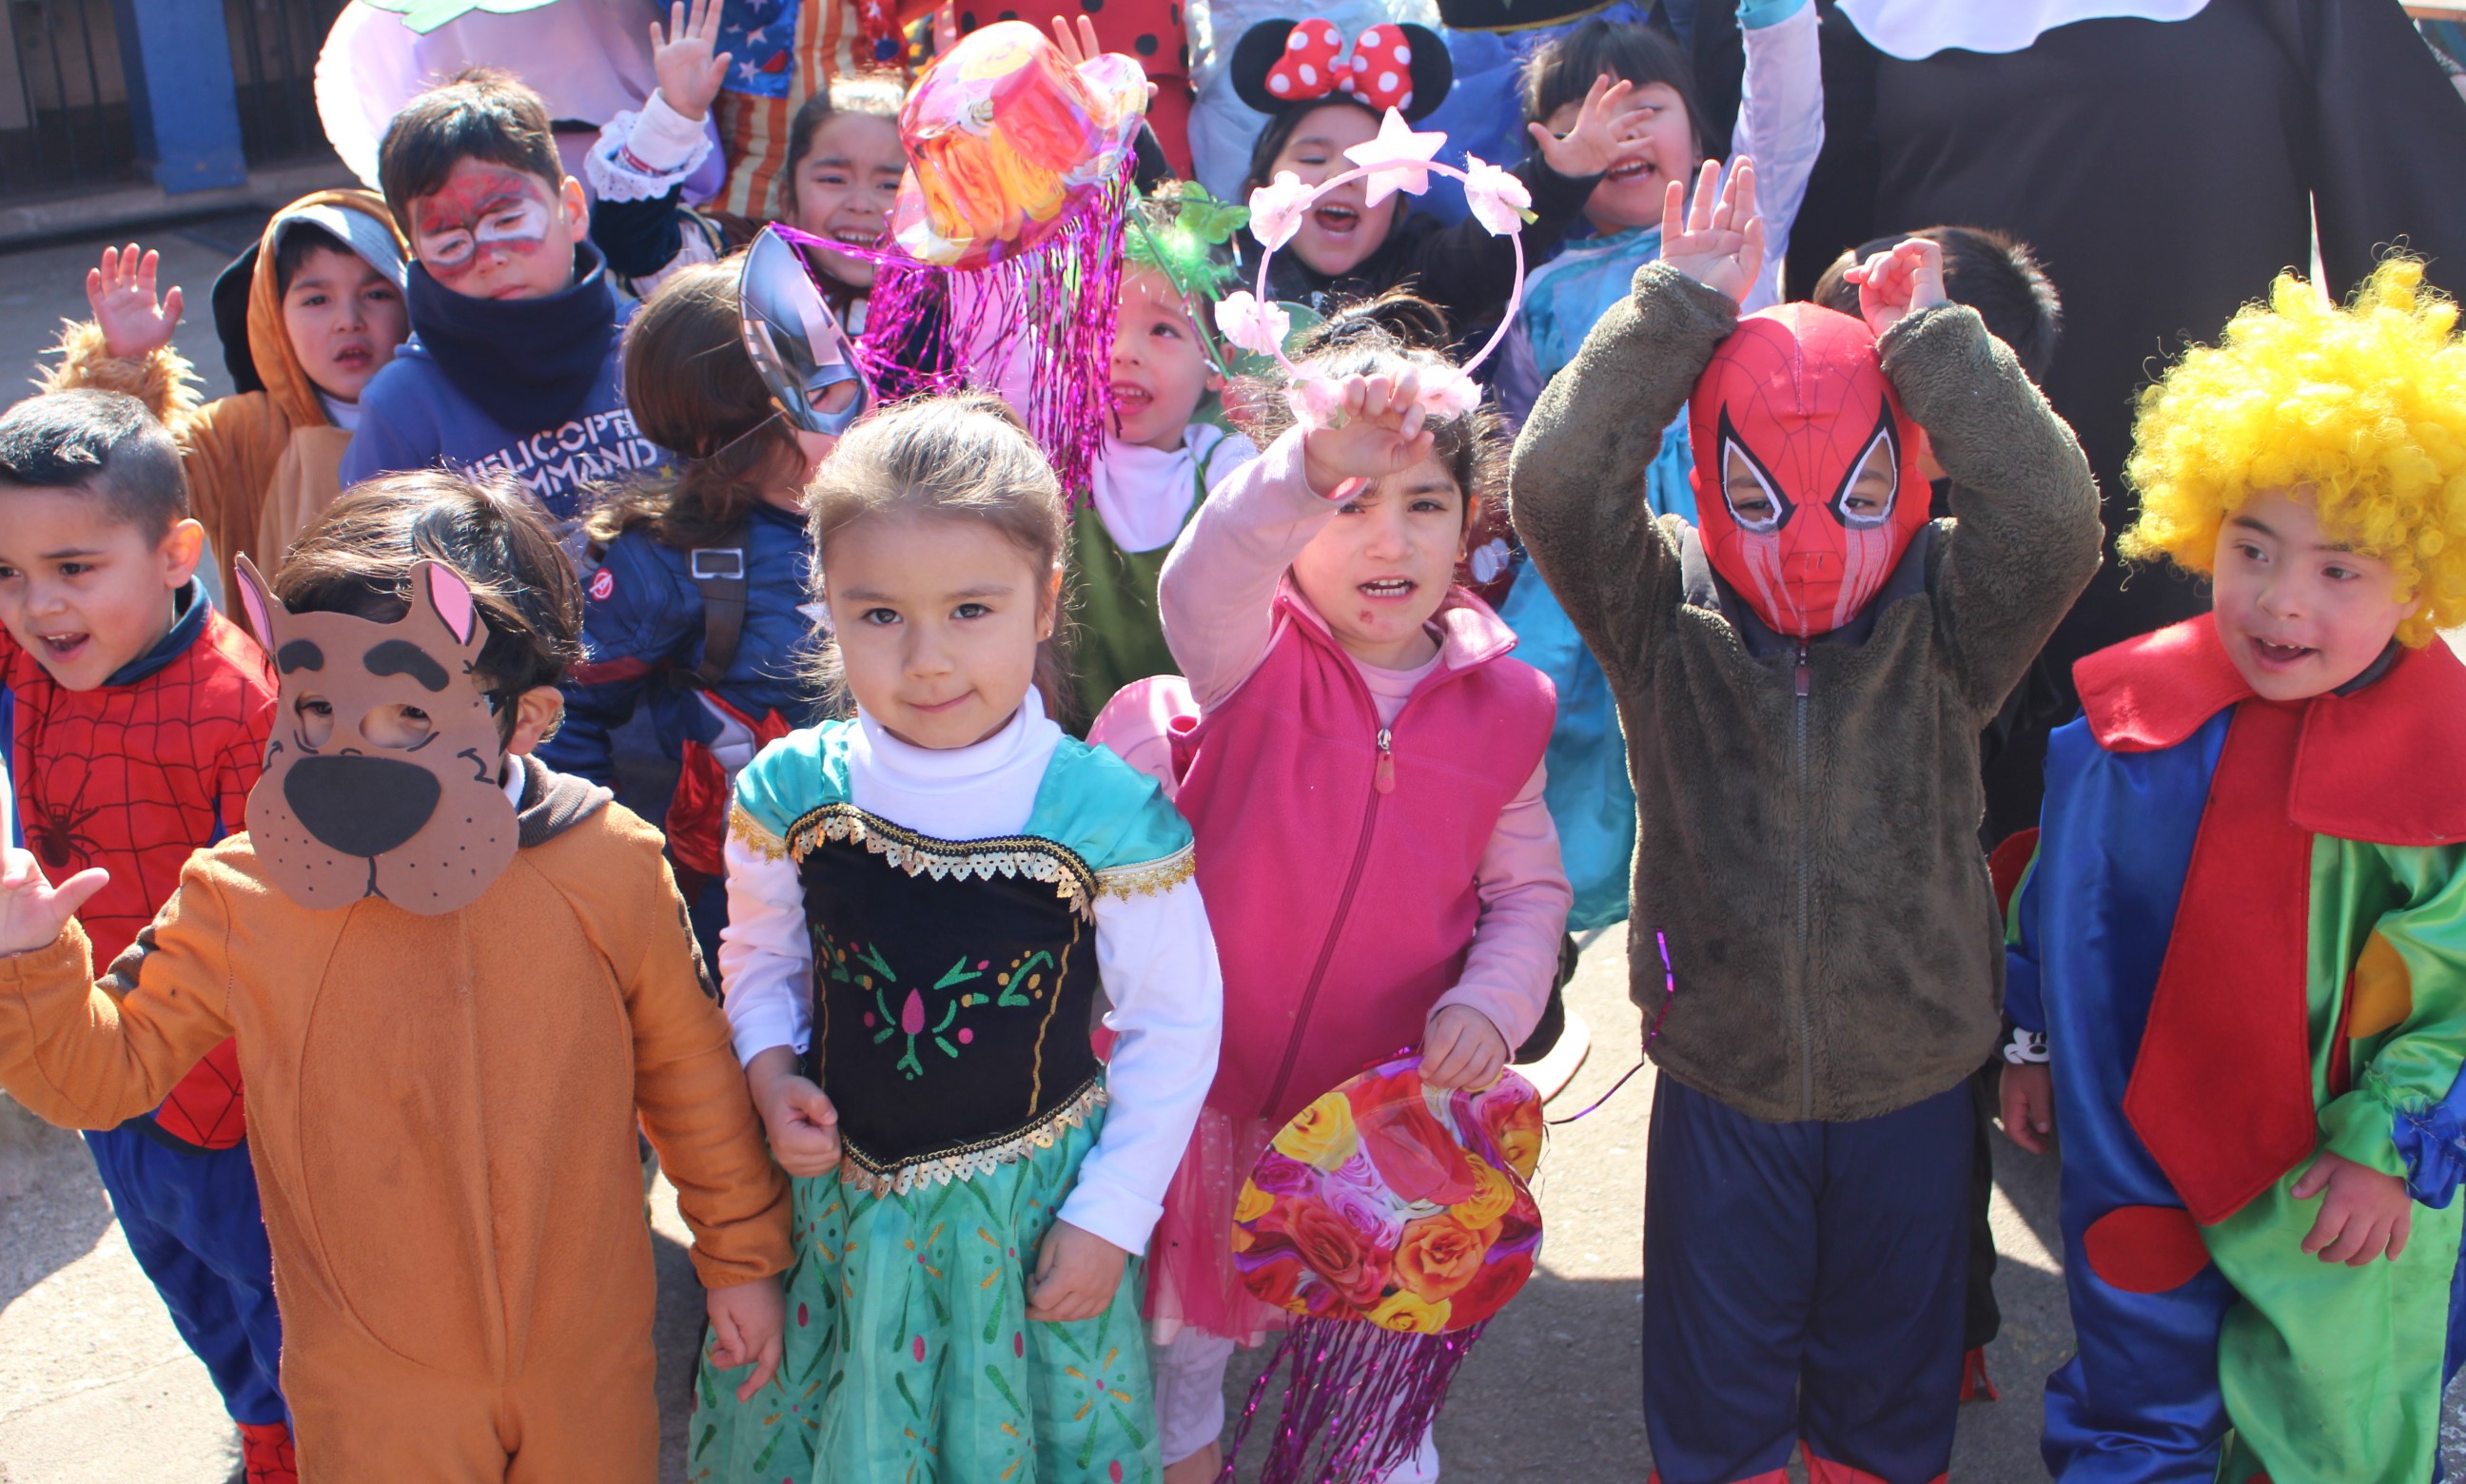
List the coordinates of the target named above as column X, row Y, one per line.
column 451, row 1007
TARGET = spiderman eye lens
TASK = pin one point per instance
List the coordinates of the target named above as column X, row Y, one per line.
column 1753, row 501
column 1868, row 494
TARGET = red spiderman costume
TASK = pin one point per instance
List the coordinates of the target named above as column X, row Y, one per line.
column 133, row 776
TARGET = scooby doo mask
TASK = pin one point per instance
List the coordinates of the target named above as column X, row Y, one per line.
column 381, row 775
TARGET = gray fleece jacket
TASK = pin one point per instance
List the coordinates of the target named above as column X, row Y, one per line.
column 1808, row 813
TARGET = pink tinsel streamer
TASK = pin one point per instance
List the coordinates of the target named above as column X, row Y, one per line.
column 1357, row 1399
column 1045, row 317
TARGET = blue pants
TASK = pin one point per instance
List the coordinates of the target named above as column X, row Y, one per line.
column 193, row 1222
column 1804, row 1281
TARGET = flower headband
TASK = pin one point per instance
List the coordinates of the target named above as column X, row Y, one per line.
column 1398, row 159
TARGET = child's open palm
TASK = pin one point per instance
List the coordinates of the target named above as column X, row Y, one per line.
column 687, row 59
column 1718, row 241
column 120, row 292
column 1376, row 431
column 1602, row 126
column 33, row 910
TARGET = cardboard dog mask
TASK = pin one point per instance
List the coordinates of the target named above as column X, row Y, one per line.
column 381, row 774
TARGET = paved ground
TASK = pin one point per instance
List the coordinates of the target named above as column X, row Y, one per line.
column 94, row 1384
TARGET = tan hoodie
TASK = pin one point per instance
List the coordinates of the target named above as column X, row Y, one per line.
column 261, row 465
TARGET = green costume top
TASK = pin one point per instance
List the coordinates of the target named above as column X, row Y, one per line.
column 1118, row 637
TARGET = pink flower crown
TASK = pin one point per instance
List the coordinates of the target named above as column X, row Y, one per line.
column 1398, row 159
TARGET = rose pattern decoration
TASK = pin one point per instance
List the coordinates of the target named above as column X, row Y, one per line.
column 1389, row 1201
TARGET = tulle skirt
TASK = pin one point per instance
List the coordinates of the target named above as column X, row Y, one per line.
column 1191, row 1279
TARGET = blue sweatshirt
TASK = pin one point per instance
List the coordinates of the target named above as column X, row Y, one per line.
column 529, row 388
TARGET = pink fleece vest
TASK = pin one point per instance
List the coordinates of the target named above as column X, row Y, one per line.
column 1338, row 872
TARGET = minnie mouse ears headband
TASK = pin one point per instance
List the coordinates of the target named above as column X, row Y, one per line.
column 1398, row 159
column 1390, row 65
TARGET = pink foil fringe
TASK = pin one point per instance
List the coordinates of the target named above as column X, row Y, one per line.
column 1357, row 1399
column 1045, row 317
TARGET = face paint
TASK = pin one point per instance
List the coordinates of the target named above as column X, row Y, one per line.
column 797, row 343
column 481, row 209
column 381, row 774
column 1807, row 483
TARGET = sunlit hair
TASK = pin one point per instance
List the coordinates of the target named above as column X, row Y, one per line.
column 959, row 458
column 2360, row 408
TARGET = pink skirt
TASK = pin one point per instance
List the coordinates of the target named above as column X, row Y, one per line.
column 1192, row 1282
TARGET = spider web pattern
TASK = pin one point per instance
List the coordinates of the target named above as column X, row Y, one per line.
column 1805, row 393
column 135, row 779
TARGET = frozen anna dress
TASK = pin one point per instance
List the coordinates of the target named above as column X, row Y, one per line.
column 933, row 930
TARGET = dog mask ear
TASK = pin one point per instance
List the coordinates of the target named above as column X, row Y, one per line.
column 258, row 599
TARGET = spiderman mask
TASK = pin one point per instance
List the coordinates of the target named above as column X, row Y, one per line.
column 1807, row 488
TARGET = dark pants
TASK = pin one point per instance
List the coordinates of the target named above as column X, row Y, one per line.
column 193, row 1224
column 1804, row 1281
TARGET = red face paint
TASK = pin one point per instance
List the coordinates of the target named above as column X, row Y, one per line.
column 1806, row 483
column 482, row 214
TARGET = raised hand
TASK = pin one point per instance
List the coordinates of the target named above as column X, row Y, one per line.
column 121, row 295
column 33, row 910
column 1897, row 284
column 682, row 56
column 1373, row 430
column 1076, row 36
column 1719, row 239
column 1601, row 127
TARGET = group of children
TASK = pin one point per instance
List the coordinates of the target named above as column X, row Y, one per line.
column 1027, row 856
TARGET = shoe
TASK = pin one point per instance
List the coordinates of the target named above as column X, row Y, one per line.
column 266, row 1454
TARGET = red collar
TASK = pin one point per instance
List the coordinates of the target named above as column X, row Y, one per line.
column 2386, row 764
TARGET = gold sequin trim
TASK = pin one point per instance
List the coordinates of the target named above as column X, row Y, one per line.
column 1017, row 855
column 749, row 833
column 1149, row 877
column 859, row 1173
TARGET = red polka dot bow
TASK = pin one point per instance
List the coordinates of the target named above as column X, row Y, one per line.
column 1378, row 72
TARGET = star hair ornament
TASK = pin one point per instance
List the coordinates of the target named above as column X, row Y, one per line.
column 1394, row 1218
column 1398, row 159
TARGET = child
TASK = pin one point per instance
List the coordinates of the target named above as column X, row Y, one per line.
column 1356, row 709
column 912, row 892
column 841, row 176
column 1802, row 678
column 512, row 367
column 1779, row 128
column 137, row 718
column 698, row 604
column 307, row 317
column 458, row 980
column 1780, row 125
column 1349, row 249
column 1159, row 461
column 2240, row 939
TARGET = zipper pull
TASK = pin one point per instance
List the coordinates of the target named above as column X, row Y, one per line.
column 1801, row 669
column 1385, row 776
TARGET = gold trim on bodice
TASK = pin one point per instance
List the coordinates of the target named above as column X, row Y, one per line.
column 970, row 1160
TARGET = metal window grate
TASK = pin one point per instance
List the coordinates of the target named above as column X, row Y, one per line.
column 64, row 117
column 274, row 63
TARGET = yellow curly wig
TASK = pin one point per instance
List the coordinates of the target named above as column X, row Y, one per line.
column 2365, row 403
